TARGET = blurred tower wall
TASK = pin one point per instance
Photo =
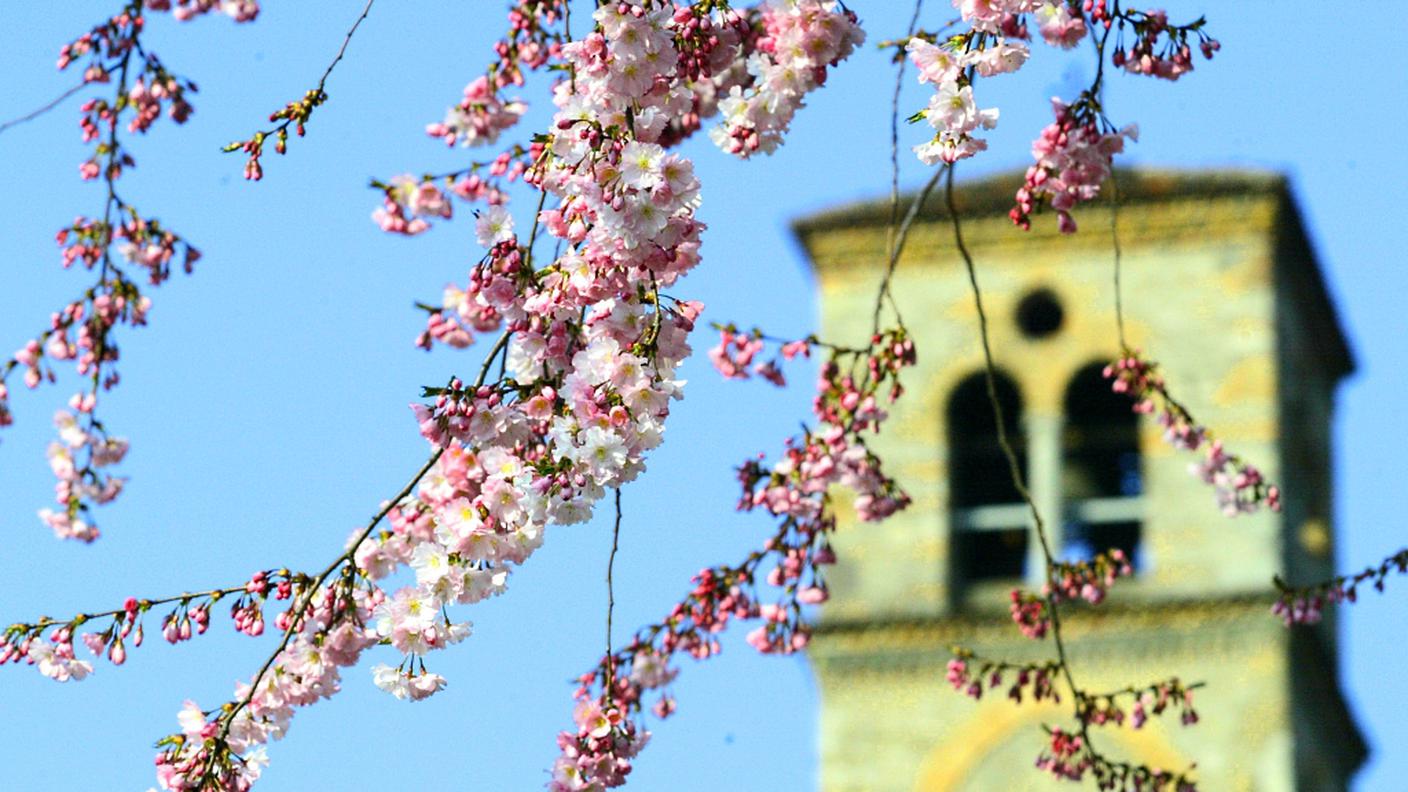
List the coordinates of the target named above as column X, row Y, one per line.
column 1222, row 289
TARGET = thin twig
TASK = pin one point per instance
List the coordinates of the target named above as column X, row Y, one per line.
column 1119, row 255
column 901, row 237
column 1013, row 465
column 33, row 114
column 345, row 41
column 611, row 594
column 894, row 177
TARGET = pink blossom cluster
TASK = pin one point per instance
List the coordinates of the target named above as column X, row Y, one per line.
column 994, row 44
column 1065, row 756
column 1110, row 709
column 110, row 47
column 734, row 355
column 972, row 676
column 801, row 39
column 79, row 460
column 224, row 748
column 1030, row 614
column 54, row 656
column 409, row 202
column 1239, row 486
column 183, row 10
column 479, row 117
column 1007, row 17
column 144, row 88
column 83, row 334
column 143, row 242
column 1074, row 157
column 1068, row 756
column 1088, row 580
column 951, row 110
column 531, row 42
column 1306, row 605
column 1160, row 49
column 598, row 754
column 1059, row 26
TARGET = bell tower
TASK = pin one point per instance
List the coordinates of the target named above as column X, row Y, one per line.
column 1221, row 287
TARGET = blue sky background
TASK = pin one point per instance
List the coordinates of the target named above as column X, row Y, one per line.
column 267, row 400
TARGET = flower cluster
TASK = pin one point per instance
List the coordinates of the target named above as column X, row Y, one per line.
column 972, row 676
column 1065, row 756
column 587, row 360
column 190, row 615
column 799, row 40
column 223, row 748
column 1088, row 580
column 1160, row 49
column 1239, row 486
column 408, row 203
column 183, row 10
column 1137, row 704
column 795, row 490
column 1074, row 156
column 1305, row 605
column 144, row 88
column 295, row 114
column 82, row 332
column 734, row 355
column 951, row 110
column 79, row 460
column 1030, row 614
column 479, row 117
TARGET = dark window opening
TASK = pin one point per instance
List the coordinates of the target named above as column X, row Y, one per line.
column 1039, row 314
column 990, row 536
column 993, row 554
column 1101, row 441
column 1101, row 472
column 978, row 471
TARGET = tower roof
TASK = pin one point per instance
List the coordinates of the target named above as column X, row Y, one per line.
column 992, row 196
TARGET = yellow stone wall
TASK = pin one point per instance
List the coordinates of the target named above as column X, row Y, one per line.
column 1206, row 296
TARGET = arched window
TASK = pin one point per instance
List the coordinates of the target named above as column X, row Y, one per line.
column 989, row 520
column 1101, row 476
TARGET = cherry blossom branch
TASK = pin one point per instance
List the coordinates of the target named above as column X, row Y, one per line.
column 55, row 657
column 1069, row 755
column 142, row 89
column 1303, row 604
column 295, row 113
column 611, row 697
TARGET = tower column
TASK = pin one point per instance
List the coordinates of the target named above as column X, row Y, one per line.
column 1044, row 482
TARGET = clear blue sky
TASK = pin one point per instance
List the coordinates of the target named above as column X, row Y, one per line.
column 266, row 401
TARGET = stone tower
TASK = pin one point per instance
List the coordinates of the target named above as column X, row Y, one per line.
column 1222, row 289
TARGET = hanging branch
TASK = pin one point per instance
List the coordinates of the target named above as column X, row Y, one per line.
column 295, row 114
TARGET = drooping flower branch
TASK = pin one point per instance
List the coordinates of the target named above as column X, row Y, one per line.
column 1239, row 485
column 1305, row 604
column 54, row 654
column 1069, row 755
column 788, row 567
column 295, row 113
column 82, row 333
column 586, row 362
